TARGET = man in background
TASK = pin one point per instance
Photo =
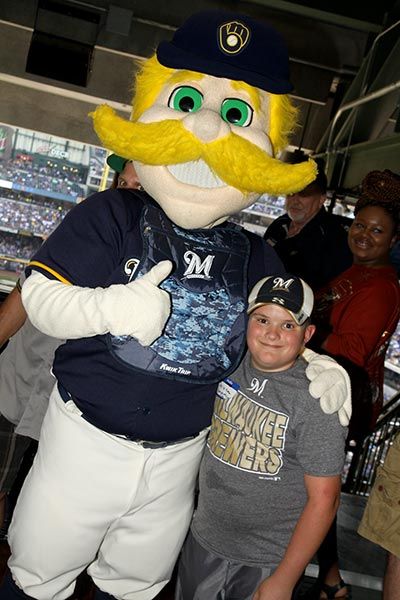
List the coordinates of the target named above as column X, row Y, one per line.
column 310, row 242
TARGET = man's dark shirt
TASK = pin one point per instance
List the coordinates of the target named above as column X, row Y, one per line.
column 317, row 253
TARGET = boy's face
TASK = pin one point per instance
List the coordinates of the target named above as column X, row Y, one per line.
column 274, row 338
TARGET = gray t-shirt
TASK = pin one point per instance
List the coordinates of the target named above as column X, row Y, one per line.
column 267, row 433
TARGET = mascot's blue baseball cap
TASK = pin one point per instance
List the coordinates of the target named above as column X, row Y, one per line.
column 235, row 46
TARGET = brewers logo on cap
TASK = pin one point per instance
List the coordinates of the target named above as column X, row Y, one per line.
column 289, row 291
column 233, row 37
column 231, row 45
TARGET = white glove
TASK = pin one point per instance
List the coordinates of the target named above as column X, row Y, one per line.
column 330, row 383
column 139, row 308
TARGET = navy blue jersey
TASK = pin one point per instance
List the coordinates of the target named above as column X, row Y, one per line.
column 98, row 244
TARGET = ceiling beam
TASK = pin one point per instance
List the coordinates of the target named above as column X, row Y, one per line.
column 319, row 15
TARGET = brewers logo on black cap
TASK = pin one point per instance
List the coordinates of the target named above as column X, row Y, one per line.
column 233, row 37
column 289, row 291
column 231, row 45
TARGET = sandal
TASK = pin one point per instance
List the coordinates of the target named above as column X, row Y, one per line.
column 331, row 591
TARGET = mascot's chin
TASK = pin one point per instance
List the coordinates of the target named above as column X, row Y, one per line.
column 203, row 204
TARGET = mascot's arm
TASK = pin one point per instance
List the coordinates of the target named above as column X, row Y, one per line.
column 139, row 308
column 330, row 383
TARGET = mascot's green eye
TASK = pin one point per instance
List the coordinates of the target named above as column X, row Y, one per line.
column 237, row 112
column 185, row 99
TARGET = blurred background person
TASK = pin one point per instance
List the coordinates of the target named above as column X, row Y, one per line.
column 310, row 242
column 125, row 175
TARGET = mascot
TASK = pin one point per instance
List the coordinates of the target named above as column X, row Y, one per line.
column 150, row 290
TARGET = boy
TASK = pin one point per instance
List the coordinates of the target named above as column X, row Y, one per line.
column 270, row 477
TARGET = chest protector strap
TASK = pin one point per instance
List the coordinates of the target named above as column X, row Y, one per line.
column 204, row 338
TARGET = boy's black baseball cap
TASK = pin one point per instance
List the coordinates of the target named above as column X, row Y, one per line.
column 286, row 290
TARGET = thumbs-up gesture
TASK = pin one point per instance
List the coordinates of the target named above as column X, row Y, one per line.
column 141, row 308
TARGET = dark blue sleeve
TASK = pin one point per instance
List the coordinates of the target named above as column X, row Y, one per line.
column 264, row 260
column 86, row 247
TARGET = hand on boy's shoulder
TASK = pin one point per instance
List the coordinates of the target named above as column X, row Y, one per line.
column 330, row 384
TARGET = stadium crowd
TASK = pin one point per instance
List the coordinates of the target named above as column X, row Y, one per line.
column 36, row 219
column 18, row 247
column 50, row 178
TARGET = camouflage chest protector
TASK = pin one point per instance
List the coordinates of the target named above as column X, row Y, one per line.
column 203, row 340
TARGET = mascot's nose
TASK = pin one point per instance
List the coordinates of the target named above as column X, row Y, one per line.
column 206, row 125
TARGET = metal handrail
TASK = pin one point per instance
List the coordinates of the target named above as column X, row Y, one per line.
column 362, row 98
column 355, row 103
column 371, row 455
column 364, row 85
column 371, row 54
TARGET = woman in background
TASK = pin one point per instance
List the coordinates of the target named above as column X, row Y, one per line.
column 356, row 314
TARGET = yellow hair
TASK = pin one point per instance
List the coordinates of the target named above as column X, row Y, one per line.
column 150, row 79
column 283, row 121
column 152, row 76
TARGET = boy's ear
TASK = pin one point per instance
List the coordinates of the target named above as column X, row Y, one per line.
column 308, row 333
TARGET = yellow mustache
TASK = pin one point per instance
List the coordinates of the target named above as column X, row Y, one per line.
column 235, row 160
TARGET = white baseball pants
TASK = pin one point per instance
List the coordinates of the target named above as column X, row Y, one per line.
column 95, row 499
